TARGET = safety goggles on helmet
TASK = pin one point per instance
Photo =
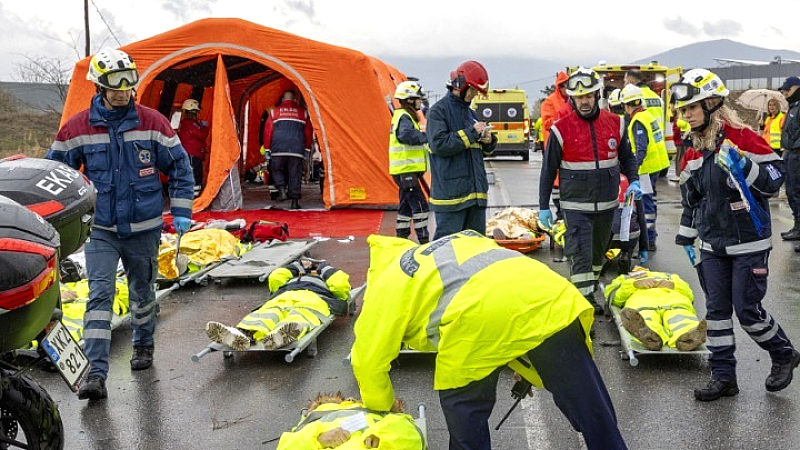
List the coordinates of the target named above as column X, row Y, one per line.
column 581, row 80
column 119, row 80
column 682, row 92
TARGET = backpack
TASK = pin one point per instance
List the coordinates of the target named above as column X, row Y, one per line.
column 264, row 230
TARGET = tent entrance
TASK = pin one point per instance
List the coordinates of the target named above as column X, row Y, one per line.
column 233, row 92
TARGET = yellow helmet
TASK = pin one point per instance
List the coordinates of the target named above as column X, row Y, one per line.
column 408, row 90
column 113, row 69
column 630, row 94
column 583, row 81
column 191, row 105
column 696, row 85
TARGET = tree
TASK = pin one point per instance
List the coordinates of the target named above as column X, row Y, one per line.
column 51, row 71
column 548, row 90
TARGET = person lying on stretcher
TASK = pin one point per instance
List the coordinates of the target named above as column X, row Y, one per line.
column 303, row 294
column 657, row 309
column 333, row 421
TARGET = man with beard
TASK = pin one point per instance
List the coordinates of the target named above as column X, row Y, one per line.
column 588, row 150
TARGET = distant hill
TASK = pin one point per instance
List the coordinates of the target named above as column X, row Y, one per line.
column 529, row 74
column 702, row 54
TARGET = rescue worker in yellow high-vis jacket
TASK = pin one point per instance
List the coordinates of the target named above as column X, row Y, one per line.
column 479, row 306
column 345, row 424
column 773, row 125
column 303, row 294
column 647, row 142
column 657, row 309
column 408, row 162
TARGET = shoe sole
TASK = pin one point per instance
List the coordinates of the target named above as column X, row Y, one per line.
column 694, row 338
column 795, row 363
column 634, row 323
column 282, row 336
column 228, row 336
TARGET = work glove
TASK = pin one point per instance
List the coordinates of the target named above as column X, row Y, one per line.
column 636, row 189
column 643, row 257
column 728, row 156
column 181, row 224
column 546, row 218
column 689, row 249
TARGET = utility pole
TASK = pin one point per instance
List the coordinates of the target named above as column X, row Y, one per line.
column 86, row 25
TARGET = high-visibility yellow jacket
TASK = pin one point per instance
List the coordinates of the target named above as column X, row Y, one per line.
column 73, row 311
column 403, row 157
column 773, row 127
column 395, row 430
column 656, row 157
column 621, row 290
column 478, row 305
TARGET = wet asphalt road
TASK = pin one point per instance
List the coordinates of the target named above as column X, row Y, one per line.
column 244, row 401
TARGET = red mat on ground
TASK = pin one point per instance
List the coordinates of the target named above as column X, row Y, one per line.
column 303, row 224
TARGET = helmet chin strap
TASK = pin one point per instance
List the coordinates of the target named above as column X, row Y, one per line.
column 595, row 109
column 707, row 114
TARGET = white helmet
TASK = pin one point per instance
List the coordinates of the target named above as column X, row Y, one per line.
column 191, row 105
column 696, row 85
column 408, row 90
column 630, row 94
column 583, row 81
column 613, row 98
column 113, row 69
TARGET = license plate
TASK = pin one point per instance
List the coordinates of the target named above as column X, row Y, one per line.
column 66, row 355
column 512, row 136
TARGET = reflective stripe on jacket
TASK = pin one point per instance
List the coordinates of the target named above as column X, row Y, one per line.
column 405, row 157
column 478, row 305
column 773, row 127
column 656, row 157
column 123, row 166
column 458, row 174
column 713, row 209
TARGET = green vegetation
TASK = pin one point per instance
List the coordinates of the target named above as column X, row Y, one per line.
column 23, row 130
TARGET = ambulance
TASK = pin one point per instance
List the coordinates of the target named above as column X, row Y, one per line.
column 506, row 111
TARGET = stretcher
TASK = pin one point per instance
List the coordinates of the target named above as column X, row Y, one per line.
column 259, row 261
column 631, row 347
column 308, row 342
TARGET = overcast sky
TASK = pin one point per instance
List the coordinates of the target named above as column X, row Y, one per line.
column 564, row 32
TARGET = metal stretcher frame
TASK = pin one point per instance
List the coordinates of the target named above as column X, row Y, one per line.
column 308, row 342
column 259, row 261
column 632, row 347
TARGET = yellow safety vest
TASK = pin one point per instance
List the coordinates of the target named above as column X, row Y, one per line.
column 772, row 130
column 656, row 157
column 477, row 305
column 654, row 104
column 538, row 127
column 405, row 158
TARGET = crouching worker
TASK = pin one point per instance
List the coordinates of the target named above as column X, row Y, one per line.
column 657, row 309
column 479, row 306
column 303, row 294
column 333, row 421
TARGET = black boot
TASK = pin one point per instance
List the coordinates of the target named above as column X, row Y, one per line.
column 93, row 388
column 716, row 389
column 282, row 195
column 142, row 358
column 295, row 204
column 781, row 374
column 793, row 234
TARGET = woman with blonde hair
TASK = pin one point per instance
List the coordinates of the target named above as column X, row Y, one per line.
column 773, row 125
column 728, row 176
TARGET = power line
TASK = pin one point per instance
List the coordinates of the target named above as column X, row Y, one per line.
column 105, row 22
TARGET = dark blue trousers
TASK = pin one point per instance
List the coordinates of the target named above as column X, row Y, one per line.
column 738, row 284
column 791, row 160
column 449, row 222
column 571, row 376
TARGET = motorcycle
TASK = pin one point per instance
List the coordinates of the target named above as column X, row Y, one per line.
column 46, row 210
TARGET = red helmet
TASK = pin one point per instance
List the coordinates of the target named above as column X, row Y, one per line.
column 470, row 73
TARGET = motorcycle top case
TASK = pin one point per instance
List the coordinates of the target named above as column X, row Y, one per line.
column 61, row 195
column 29, row 288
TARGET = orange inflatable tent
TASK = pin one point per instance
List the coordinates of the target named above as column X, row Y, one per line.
column 238, row 69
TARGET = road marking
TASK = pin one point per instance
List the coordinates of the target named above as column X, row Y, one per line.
column 535, row 427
